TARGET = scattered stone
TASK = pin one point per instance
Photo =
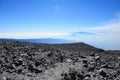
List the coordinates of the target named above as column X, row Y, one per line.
column 29, row 61
column 91, row 69
column 69, row 60
column 85, row 65
column 3, row 78
column 118, row 58
column 80, row 76
column 37, row 70
column 85, row 61
column 18, row 62
column 92, row 54
column 102, row 72
column 29, row 74
column 104, row 66
column 97, row 57
column 37, row 63
column 19, row 71
column 31, row 67
column 87, row 78
column 81, row 56
column 87, row 75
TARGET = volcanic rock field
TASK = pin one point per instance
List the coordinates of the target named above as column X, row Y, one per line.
column 73, row 61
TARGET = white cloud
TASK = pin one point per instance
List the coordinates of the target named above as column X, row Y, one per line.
column 106, row 36
column 32, row 34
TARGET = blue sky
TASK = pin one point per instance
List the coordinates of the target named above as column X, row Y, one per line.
column 92, row 21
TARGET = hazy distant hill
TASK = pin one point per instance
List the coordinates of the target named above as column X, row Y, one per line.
column 46, row 40
column 61, row 44
column 41, row 40
column 76, row 47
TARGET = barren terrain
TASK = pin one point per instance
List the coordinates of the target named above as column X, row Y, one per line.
column 73, row 61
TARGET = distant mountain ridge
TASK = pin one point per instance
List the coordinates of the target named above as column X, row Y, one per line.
column 41, row 40
column 46, row 40
column 60, row 43
column 79, row 46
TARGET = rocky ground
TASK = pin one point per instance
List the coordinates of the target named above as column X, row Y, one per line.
column 78, row 61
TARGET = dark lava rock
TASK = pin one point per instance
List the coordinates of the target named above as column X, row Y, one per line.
column 18, row 62
column 102, row 72
column 85, row 65
column 80, row 76
column 85, row 61
column 104, row 66
column 92, row 54
column 91, row 69
column 37, row 63
column 19, row 71
column 87, row 75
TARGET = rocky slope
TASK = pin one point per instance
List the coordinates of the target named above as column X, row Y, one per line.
column 78, row 61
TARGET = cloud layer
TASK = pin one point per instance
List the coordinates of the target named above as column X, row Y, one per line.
column 19, row 35
column 106, row 36
column 82, row 33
